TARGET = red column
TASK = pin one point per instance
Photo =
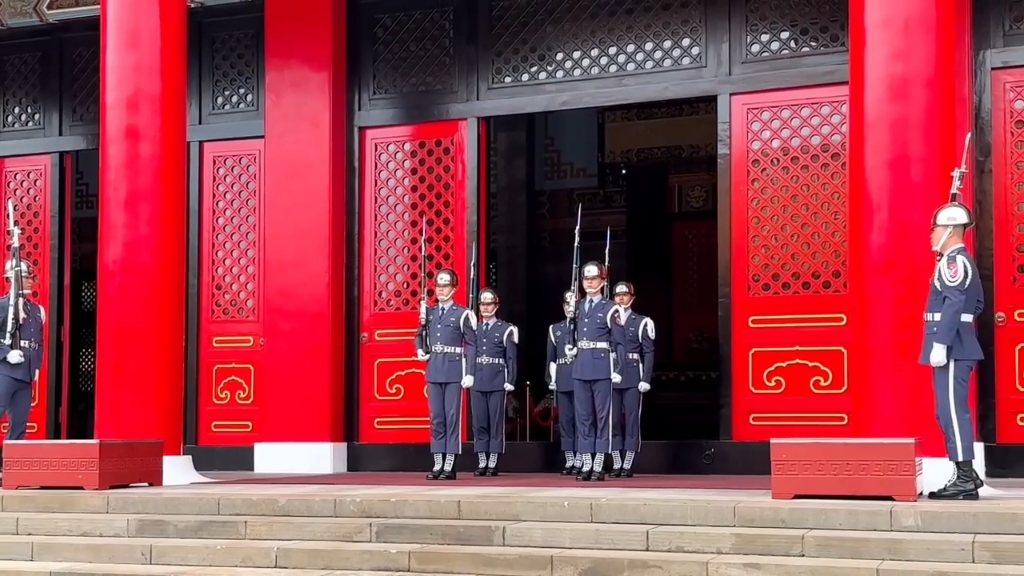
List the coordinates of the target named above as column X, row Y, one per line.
column 907, row 105
column 304, row 259
column 140, row 331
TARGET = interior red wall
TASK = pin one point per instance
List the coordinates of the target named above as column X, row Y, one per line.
column 305, row 219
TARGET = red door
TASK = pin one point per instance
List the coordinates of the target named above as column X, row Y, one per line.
column 27, row 181
column 231, row 312
column 408, row 173
column 1008, row 251
column 791, row 289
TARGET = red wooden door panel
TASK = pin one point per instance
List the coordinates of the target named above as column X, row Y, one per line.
column 1008, row 251
column 27, row 181
column 791, row 288
column 408, row 173
column 231, row 312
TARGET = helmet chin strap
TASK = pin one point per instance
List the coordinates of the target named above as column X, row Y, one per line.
column 445, row 298
column 945, row 236
column 595, row 290
column 489, row 314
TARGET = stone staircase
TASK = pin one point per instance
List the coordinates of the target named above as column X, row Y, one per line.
column 346, row 530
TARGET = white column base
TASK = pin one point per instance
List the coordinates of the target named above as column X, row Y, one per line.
column 938, row 471
column 179, row 471
column 300, row 457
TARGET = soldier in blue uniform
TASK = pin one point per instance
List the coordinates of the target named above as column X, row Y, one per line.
column 559, row 379
column 20, row 364
column 495, row 377
column 446, row 340
column 951, row 345
column 636, row 375
column 597, row 357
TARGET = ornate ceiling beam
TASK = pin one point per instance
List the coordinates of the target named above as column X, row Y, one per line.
column 17, row 13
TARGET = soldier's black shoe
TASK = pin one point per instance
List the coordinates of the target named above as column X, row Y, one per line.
column 480, row 471
column 569, row 471
column 615, row 473
column 583, row 475
column 576, row 470
column 597, row 476
column 627, row 472
column 492, row 472
column 433, row 474
column 964, row 484
column 448, row 475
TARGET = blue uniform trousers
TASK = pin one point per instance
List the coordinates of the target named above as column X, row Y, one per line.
column 488, row 410
column 952, row 384
column 626, row 419
column 593, row 411
column 15, row 401
column 567, row 420
column 445, row 402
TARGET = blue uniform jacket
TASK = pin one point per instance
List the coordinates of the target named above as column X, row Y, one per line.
column 31, row 342
column 639, row 334
column 955, row 299
column 451, row 343
column 600, row 342
column 496, row 355
column 558, row 339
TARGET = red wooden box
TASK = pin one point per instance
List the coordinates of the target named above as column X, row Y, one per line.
column 89, row 464
column 884, row 468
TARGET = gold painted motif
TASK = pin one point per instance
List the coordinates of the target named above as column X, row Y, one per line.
column 395, row 334
column 393, row 387
column 227, row 427
column 233, row 342
column 808, row 419
column 30, row 428
column 400, row 423
column 228, row 376
column 798, row 321
column 818, row 377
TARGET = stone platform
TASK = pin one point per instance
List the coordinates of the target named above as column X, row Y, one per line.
column 297, row 530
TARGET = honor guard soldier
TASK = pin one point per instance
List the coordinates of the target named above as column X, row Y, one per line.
column 446, row 340
column 597, row 356
column 20, row 363
column 638, row 332
column 495, row 377
column 951, row 345
column 559, row 378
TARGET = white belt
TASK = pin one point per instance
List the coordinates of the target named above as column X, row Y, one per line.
column 439, row 349
column 587, row 345
column 489, row 360
column 633, row 356
column 565, row 360
column 936, row 316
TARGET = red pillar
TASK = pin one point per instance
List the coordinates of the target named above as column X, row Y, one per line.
column 140, row 331
column 305, row 227
column 907, row 110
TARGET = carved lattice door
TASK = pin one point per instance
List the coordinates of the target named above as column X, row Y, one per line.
column 1008, row 251
column 790, row 237
column 408, row 173
column 231, row 313
column 27, row 181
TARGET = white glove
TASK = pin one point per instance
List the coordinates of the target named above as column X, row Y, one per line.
column 423, row 312
column 509, row 387
column 644, row 387
column 616, row 378
column 570, row 351
column 467, row 381
column 937, row 358
column 421, row 355
column 552, row 386
column 35, row 378
column 15, row 357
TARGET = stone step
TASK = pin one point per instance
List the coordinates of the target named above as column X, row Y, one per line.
column 452, row 504
column 489, row 560
column 566, row 564
column 854, row 544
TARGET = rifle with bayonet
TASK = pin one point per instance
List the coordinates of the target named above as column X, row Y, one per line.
column 607, row 263
column 960, row 173
column 575, row 283
column 12, row 337
column 423, row 287
column 473, row 290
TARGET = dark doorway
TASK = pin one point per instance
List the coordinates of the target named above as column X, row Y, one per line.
column 649, row 174
column 81, row 217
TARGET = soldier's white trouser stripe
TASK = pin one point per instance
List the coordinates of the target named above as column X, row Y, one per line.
column 611, row 412
column 501, row 421
column 639, row 424
column 462, row 396
column 951, row 384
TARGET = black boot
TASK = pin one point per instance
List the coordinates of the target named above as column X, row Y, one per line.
column 481, row 468
column 438, row 463
column 569, row 471
column 964, row 484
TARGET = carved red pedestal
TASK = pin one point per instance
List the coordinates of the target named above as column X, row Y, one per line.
column 89, row 464
column 886, row 468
